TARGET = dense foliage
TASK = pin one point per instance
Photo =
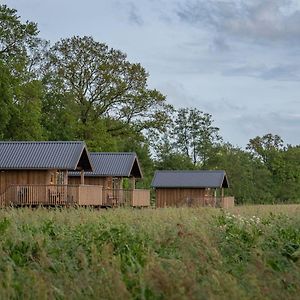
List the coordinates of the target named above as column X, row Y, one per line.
column 81, row 89
column 149, row 254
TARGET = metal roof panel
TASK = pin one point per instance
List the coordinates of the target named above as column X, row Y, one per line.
column 40, row 155
column 190, row 179
column 116, row 164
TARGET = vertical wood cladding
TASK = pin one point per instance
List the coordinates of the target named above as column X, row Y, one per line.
column 10, row 177
column 106, row 182
column 179, row 196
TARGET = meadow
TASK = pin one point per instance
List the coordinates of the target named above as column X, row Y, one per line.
column 249, row 252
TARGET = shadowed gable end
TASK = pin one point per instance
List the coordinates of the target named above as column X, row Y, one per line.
column 225, row 183
column 136, row 169
column 84, row 162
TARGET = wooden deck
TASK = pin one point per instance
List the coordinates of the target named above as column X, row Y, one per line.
column 70, row 195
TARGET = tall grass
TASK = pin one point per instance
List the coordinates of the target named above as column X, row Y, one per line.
column 148, row 254
column 267, row 209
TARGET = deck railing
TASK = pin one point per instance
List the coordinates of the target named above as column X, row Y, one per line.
column 93, row 195
column 122, row 197
column 140, row 198
column 227, row 202
column 68, row 195
column 37, row 194
column 90, row 195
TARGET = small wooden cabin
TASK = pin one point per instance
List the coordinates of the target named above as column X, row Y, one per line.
column 37, row 172
column 190, row 188
column 110, row 169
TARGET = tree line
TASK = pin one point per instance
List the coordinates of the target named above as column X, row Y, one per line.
column 81, row 89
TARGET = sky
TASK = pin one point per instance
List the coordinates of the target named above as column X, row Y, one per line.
column 238, row 60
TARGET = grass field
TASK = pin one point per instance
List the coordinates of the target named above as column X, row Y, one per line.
column 249, row 252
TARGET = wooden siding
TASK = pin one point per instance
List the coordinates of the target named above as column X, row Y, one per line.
column 33, row 187
column 227, row 202
column 140, row 198
column 180, row 197
column 10, row 177
column 90, row 195
column 102, row 181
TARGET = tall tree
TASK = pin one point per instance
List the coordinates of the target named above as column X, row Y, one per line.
column 20, row 92
column 195, row 135
column 249, row 180
column 289, row 187
column 5, row 98
column 282, row 162
column 16, row 38
column 25, row 121
column 169, row 158
column 103, row 84
column 265, row 147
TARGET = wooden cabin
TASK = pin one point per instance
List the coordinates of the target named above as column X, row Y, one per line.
column 110, row 170
column 191, row 188
column 36, row 173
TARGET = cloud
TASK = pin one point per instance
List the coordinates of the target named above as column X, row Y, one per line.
column 134, row 15
column 219, row 44
column 260, row 21
column 235, row 59
column 285, row 124
column 282, row 72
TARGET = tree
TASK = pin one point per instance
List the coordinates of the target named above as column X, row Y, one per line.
column 16, row 38
column 265, row 147
column 25, row 121
column 249, row 180
column 168, row 158
column 282, row 162
column 103, row 84
column 20, row 92
column 288, row 180
column 5, row 98
column 194, row 134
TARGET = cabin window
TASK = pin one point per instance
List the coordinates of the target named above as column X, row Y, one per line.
column 207, row 192
column 109, row 182
column 116, row 183
column 52, row 178
column 60, row 177
column 57, row 177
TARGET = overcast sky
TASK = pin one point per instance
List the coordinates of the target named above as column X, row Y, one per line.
column 238, row 60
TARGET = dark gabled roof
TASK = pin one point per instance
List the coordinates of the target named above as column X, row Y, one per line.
column 44, row 155
column 115, row 164
column 190, row 179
